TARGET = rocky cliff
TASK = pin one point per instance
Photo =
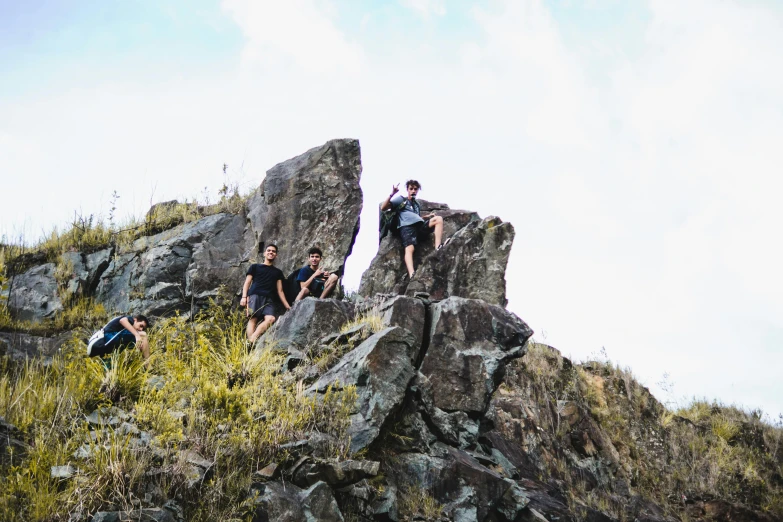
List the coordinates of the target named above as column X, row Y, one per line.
column 418, row 400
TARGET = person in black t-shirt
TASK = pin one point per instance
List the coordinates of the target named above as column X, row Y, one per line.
column 119, row 334
column 263, row 281
column 313, row 279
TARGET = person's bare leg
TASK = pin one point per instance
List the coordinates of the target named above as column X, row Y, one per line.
column 251, row 327
column 409, row 259
column 302, row 294
column 262, row 328
column 437, row 223
column 331, row 282
column 144, row 346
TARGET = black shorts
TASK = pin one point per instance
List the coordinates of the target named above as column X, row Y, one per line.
column 261, row 306
column 411, row 233
column 100, row 347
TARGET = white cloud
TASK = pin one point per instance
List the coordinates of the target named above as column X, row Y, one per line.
column 426, row 8
column 299, row 29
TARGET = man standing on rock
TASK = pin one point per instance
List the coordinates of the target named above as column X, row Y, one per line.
column 412, row 225
column 314, row 280
column 120, row 333
column 262, row 282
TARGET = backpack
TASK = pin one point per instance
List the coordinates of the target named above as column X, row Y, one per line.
column 388, row 220
column 291, row 287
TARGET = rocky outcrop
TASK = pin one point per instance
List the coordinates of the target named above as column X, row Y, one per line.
column 33, row 294
column 313, row 199
column 472, row 264
column 20, row 346
column 381, row 369
column 86, row 270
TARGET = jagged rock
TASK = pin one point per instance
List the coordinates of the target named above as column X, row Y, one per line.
column 335, row 474
column 311, row 200
column 472, row 265
column 87, row 270
column 33, row 294
column 268, row 472
column 381, row 369
column 288, row 503
column 300, row 330
column 387, row 270
column 22, row 346
column 470, row 342
column 178, row 268
column 468, row 490
column 407, row 312
column 137, row 515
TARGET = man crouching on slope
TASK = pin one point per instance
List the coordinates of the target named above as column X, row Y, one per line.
column 262, row 282
column 120, row 333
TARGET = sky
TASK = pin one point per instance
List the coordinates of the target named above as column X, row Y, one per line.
column 634, row 146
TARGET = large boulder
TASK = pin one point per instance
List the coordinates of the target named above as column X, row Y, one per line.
column 311, row 200
column 387, row 271
column 33, row 294
column 469, row 343
column 381, row 369
column 308, row 322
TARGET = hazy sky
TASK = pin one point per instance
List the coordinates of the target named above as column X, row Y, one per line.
column 635, row 146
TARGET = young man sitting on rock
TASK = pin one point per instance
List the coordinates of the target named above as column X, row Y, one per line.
column 118, row 334
column 412, row 225
column 314, row 280
column 263, row 281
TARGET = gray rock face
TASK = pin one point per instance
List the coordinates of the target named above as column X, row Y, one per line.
column 381, row 368
column 470, row 342
column 87, row 269
column 387, row 270
column 33, row 295
column 309, row 321
column 185, row 265
column 288, row 503
column 472, row 265
column 468, row 490
column 22, row 346
column 311, row 200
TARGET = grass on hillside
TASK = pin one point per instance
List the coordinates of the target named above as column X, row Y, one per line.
column 704, row 449
column 202, row 392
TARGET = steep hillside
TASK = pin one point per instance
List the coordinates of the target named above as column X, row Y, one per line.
column 413, row 400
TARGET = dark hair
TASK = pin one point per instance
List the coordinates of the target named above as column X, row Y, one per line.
column 414, row 183
column 141, row 318
column 315, row 250
column 271, row 245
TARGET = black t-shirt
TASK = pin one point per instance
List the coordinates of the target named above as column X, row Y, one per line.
column 115, row 333
column 265, row 279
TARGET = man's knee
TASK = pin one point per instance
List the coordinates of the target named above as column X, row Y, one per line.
column 332, row 280
column 269, row 319
column 143, row 334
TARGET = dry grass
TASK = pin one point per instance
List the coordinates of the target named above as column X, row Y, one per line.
column 209, row 396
